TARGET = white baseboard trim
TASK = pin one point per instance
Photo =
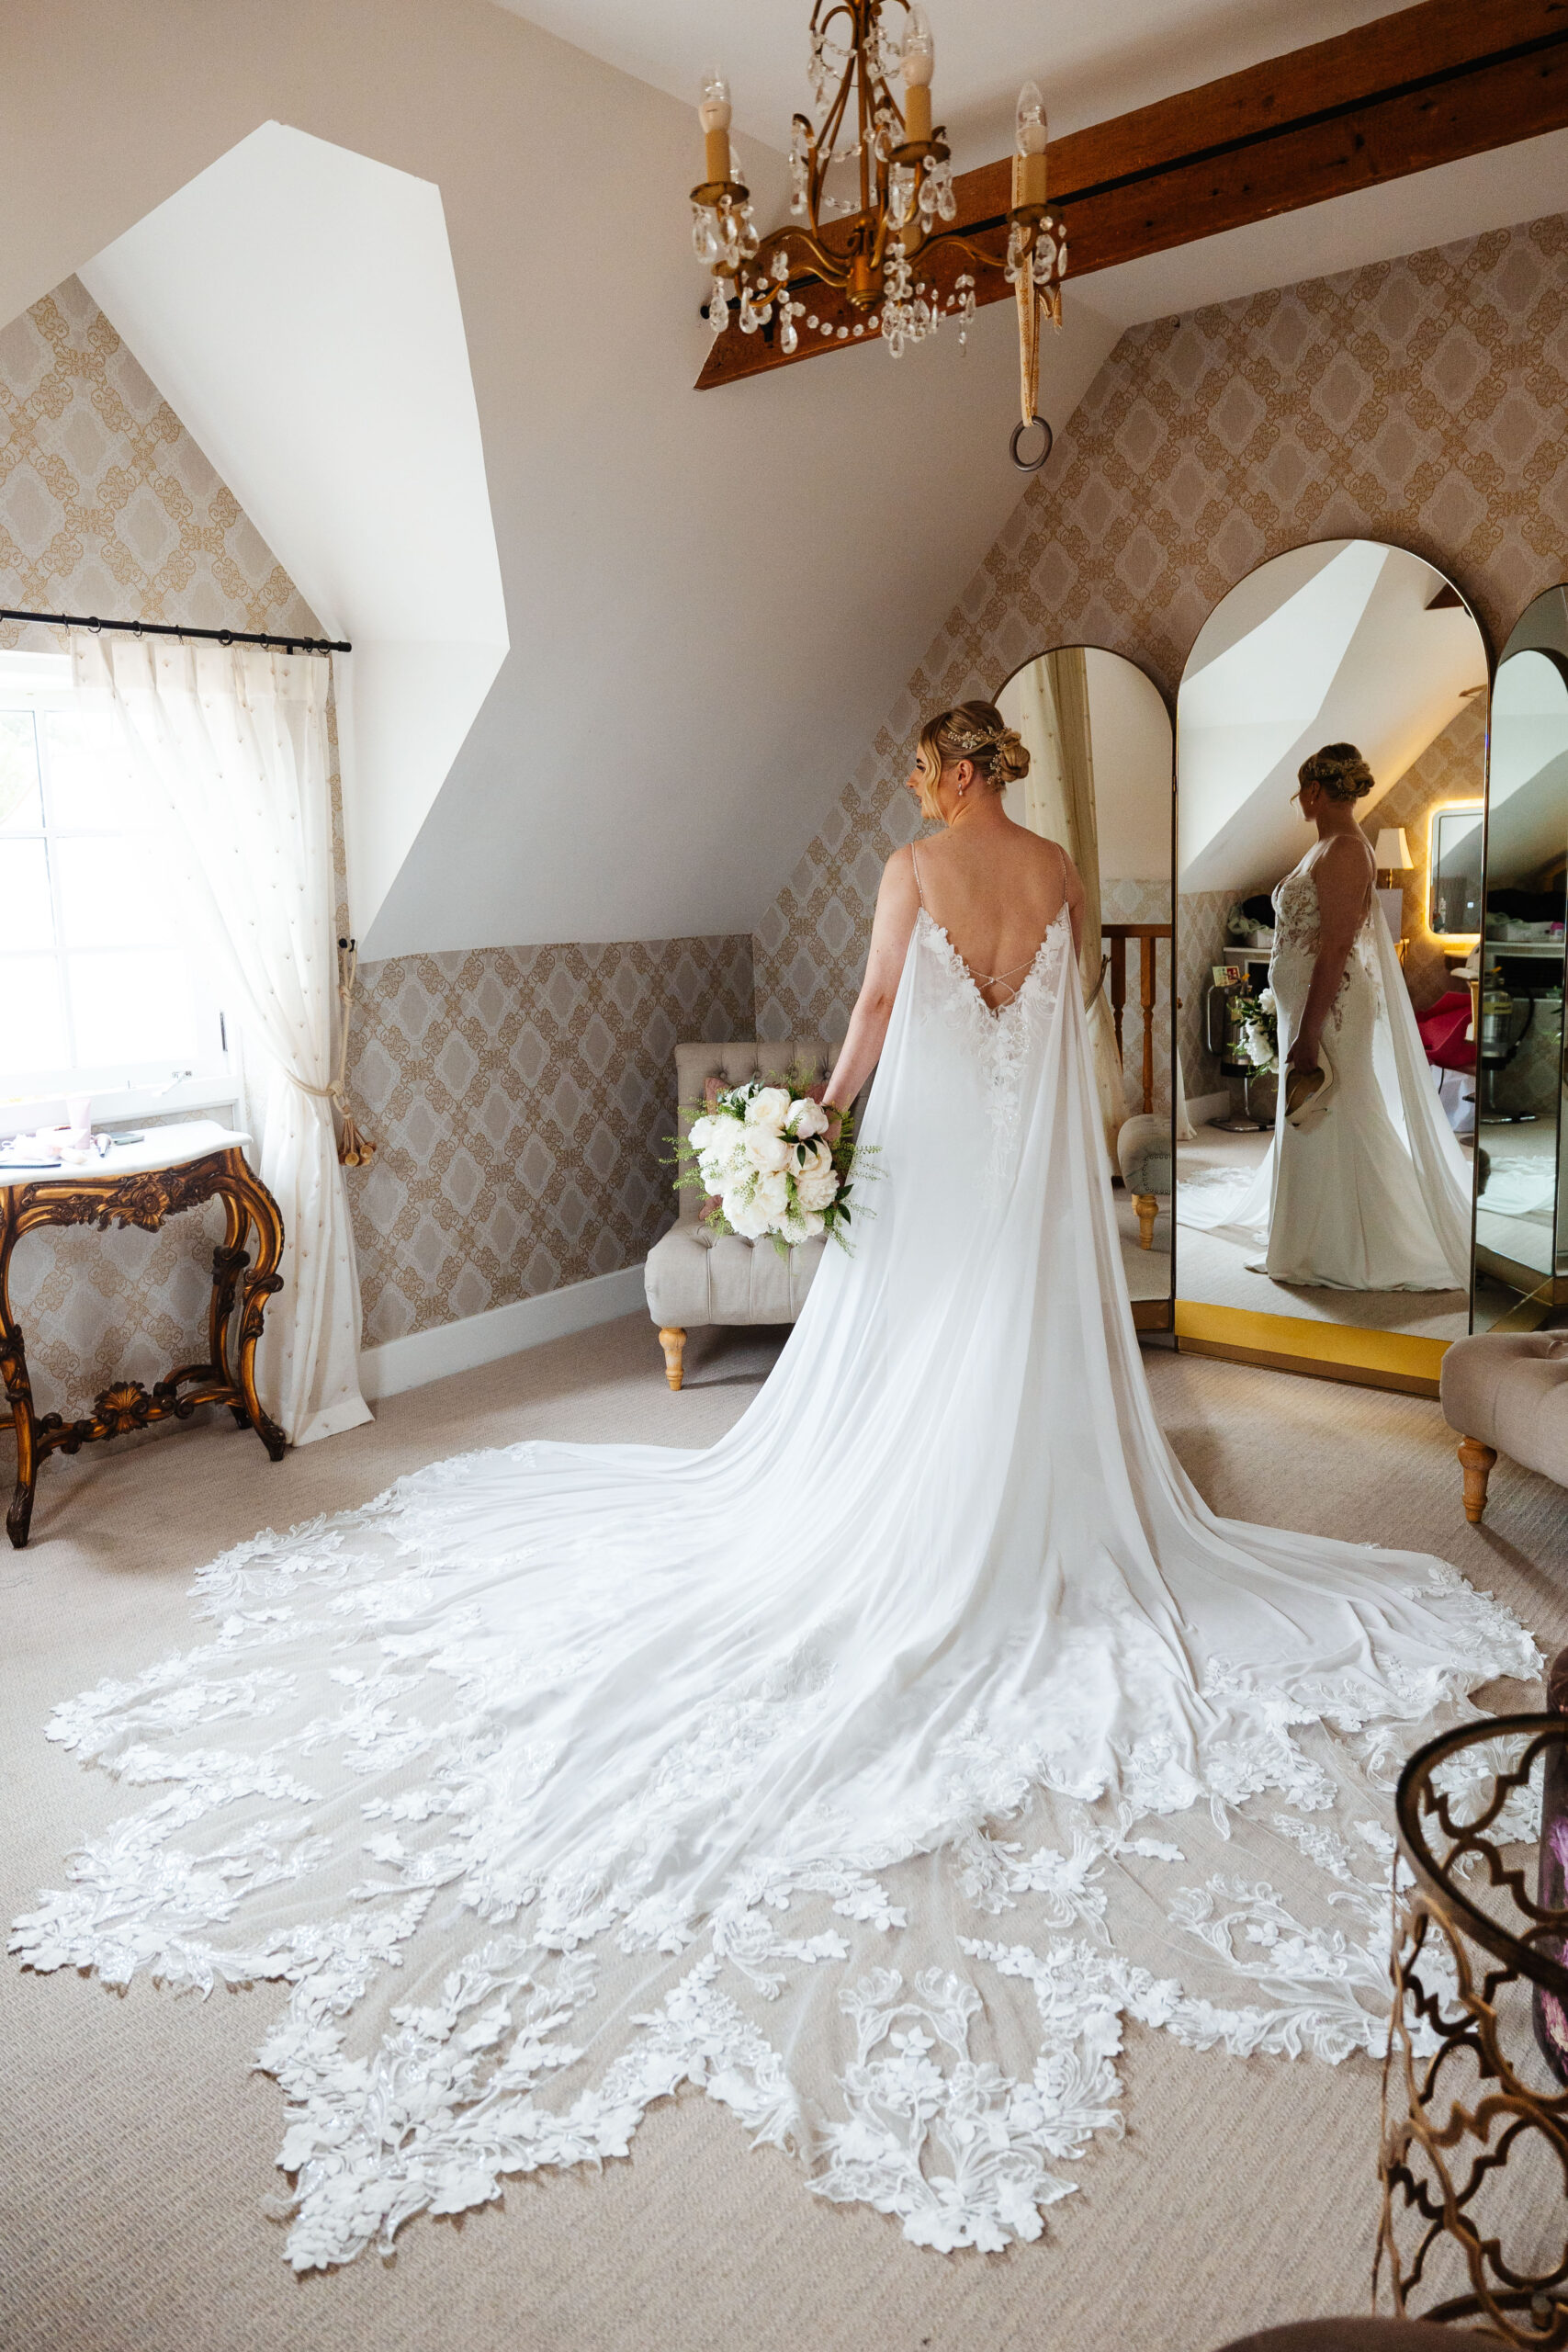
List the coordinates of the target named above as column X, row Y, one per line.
column 423, row 1356
column 1201, row 1108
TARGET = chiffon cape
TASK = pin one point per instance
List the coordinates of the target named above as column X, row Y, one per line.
column 865, row 1772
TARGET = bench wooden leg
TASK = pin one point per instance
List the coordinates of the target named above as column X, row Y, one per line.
column 1147, row 1208
column 1477, row 1460
column 675, row 1346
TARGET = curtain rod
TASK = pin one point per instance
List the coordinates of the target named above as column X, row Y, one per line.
column 168, row 628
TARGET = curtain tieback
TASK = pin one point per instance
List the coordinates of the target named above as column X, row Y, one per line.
column 354, row 1149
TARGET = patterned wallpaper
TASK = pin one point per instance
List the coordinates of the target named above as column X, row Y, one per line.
column 1419, row 401
column 521, row 1098
column 108, row 505
column 1453, row 768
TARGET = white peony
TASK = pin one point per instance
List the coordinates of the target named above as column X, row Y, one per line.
column 772, row 1193
column 807, row 1118
column 704, row 1132
column 817, row 1190
column 801, row 1226
column 750, row 1218
column 769, row 1107
column 767, row 1150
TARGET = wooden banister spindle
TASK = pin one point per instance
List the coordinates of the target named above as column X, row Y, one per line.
column 1118, row 984
column 1146, row 976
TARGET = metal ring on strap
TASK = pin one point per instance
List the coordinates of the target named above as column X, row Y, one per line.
column 1030, row 465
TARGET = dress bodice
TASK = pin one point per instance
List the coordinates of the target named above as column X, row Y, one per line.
column 1297, row 921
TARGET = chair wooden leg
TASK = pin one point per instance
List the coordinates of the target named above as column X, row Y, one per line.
column 673, row 1343
column 1148, row 1209
column 1477, row 1460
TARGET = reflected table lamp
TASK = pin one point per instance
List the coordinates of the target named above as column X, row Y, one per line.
column 1392, row 856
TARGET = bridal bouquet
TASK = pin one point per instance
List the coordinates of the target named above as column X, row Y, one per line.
column 762, row 1156
column 1259, row 1016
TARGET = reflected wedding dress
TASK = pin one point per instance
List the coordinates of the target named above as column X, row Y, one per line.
column 864, row 1771
column 1371, row 1193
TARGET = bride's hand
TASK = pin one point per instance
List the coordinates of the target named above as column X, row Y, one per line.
column 1302, row 1054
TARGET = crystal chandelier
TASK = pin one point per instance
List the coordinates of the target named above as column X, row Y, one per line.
column 874, row 246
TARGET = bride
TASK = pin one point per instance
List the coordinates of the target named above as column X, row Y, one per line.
column 1364, row 1187
column 865, row 1772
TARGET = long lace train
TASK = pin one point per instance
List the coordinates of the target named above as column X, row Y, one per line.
column 865, row 1772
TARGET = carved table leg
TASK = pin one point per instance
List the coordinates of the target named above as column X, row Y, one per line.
column 673, row 1343
column 1476, row 1460
column 1147, row 1208
column 229, row 1259
column 19, row 1394
column 258, row 1206
column 14, row 1376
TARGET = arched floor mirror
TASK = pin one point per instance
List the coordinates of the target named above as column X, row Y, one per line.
column 1521, row 1207
column 1100, row 782
column 1338, row 1240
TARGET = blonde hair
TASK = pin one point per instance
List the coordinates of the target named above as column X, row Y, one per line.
column 1339, row 770
column 974, row 731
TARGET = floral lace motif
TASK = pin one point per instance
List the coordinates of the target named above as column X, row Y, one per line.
column 1296, row 933
column 1002, row 1038
column 458, row 2092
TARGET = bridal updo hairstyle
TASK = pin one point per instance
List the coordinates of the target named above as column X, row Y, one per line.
column 975, row 731
column 1339, row 770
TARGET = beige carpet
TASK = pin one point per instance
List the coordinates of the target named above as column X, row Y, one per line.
column 1217, row 1267
column 137, row 2153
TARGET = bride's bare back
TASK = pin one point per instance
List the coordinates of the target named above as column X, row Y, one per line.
column 995, row 888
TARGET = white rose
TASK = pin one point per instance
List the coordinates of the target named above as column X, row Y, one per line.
column 769, row 1107
column 767, row 1149
column 1269, row 1000
column 807, row 1118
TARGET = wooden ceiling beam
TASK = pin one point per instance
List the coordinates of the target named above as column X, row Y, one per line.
column 1428, row 86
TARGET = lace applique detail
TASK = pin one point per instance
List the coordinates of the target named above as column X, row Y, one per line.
column 386, row 1814
column 1296, row 933
column 1002, row 1038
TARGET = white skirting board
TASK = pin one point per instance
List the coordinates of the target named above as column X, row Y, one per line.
column 408, row 1362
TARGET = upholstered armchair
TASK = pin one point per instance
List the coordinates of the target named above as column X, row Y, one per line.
column 693, row 1277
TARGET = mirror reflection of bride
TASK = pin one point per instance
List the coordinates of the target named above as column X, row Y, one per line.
column 1363, row 1186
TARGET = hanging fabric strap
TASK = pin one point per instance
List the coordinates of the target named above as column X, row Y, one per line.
column 354, row 1149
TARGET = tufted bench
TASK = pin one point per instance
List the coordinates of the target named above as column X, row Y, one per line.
column 1506, row 1392
column 1143, row 1156
column 693, row 1277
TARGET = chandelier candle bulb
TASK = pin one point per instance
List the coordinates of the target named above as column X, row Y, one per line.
column 713, row 113
column 918, row 61
column 1029, row 174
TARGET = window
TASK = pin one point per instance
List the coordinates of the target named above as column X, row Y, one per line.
column 102, row 993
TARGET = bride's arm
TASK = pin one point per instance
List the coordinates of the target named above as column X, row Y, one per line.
column 897, row 903
column 1341, row 875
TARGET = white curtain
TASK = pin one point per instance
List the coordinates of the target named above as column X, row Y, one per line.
column 232, row 741
column 1058, row 801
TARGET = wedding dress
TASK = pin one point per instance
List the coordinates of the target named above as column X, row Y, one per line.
column 865, row 1770
column 1371, row 1193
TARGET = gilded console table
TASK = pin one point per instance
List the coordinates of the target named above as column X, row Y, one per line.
column 170, row 1169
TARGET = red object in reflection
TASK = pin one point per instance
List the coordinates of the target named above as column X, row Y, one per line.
column 1442, row 1027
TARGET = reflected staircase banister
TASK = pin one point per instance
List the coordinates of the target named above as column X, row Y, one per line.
column 1146, row 934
